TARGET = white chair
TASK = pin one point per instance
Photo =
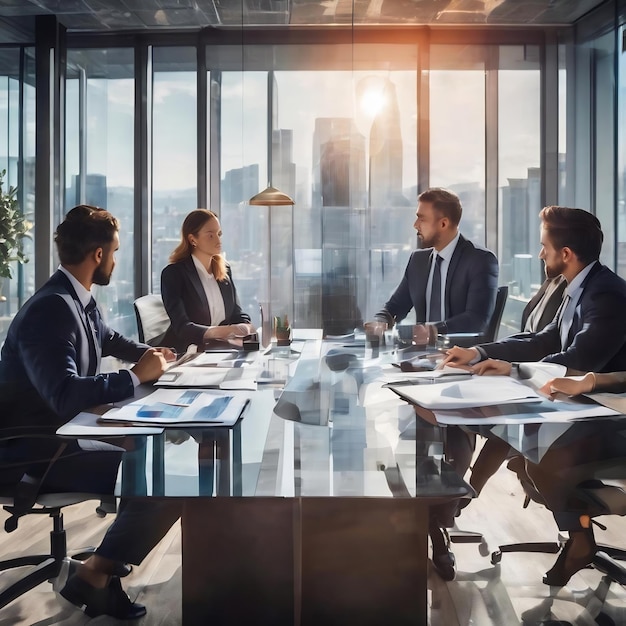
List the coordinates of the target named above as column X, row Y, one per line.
column 152, row 319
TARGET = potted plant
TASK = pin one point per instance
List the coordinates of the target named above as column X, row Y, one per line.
column 13, row 228
column 282, row 330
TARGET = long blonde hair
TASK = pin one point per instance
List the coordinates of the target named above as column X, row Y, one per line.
column 191, row 226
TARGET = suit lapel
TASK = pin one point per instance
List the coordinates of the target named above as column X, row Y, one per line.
column 457, row 255
column 192, row 273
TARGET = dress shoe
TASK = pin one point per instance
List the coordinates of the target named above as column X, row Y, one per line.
column 111, row 600
column 443, row 558
column 119, row 568
column 577, row 553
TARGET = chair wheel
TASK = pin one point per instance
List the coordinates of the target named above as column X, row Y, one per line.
column 100, row 512
column 496, row 557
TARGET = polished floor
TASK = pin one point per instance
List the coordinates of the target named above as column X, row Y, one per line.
column 510, row 593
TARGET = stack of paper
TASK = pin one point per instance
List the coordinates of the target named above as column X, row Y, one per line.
column 473, row 392
column 189, row 407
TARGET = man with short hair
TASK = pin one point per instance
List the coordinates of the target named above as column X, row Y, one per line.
column 49, row 372
column 450, row 282
column 452, row 285
column 589, row 331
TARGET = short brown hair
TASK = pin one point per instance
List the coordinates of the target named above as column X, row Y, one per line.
column 84, row 229
column 444, row 201
column 576, row 229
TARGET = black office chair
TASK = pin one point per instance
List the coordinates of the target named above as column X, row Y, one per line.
column 23, row 498
column 467, row 340
column 152, row 319
column 605, row 497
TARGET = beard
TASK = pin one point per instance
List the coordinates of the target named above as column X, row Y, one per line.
column 552, row 271
column 428, row 242
column 100, row 277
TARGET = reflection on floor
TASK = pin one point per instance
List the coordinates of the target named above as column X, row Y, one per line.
column 507, row 594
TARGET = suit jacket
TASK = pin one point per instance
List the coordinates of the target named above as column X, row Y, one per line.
column 596, row 340
column 470, row 294
column 552, row 306
column 187, row 305
column 41, row 383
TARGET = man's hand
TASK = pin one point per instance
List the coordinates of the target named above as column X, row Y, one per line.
column 168, row 353
column 568, row 386
column 229, row 332
column 492, row 367
column 150, row 366
column 456, row 356
column 424, row 335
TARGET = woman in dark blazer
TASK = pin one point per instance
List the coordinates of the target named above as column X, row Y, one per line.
column 197, row 287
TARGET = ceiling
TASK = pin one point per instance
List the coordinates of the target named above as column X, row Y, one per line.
column 140, row 15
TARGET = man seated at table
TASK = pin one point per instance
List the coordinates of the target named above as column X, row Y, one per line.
column 49, row 372
column 452, row 285
column 589, row 330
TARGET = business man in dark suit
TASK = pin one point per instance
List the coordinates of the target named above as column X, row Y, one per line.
column 197, row 287
column 464, row 276
column 589, row 331
column 452, row 284
column 49, row 372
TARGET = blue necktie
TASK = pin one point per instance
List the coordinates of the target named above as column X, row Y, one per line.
column 435, row 292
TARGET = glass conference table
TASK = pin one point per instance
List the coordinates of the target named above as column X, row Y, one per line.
column 313, row 508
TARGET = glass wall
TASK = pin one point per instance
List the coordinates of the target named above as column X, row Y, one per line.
column 17, row 155
column 621, row 156
column 343, row 143
column 174, row 149
column 351, row 131
column 99, row 160
column 519, row 173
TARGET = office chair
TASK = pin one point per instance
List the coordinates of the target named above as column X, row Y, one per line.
column 152, row 319
column 605, row 497
column 23, row 499
column 467, row 340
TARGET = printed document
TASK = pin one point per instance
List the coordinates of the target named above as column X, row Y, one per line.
column 183, row 407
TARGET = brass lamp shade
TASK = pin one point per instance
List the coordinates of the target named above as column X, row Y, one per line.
column 271, row 197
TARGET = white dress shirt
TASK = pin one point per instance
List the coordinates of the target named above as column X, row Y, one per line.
column 446, row 254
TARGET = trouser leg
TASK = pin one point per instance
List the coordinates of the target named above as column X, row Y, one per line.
column 139, row 526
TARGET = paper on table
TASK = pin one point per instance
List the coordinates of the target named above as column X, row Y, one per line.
column 86, row 425
column 615, row 401
column 523, row 413
column 396, row 377
column 187, row 376
column 176, row 407
column 477, row 391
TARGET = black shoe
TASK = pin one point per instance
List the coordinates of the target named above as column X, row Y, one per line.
column 443, row 558
column 112, row 600
column 566, row 564
column 119, row 569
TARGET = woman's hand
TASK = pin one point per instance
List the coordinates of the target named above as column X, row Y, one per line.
column 492, row 367
column 569, row 386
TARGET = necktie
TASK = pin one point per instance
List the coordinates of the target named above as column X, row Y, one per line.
column 565, row 320
column 91, row 312
column 435, row 292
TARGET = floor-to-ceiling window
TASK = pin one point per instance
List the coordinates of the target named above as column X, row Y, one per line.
column 17, row 154
column 99, row 159
column 343, row 143
column 621, row 156
column 174, row 149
